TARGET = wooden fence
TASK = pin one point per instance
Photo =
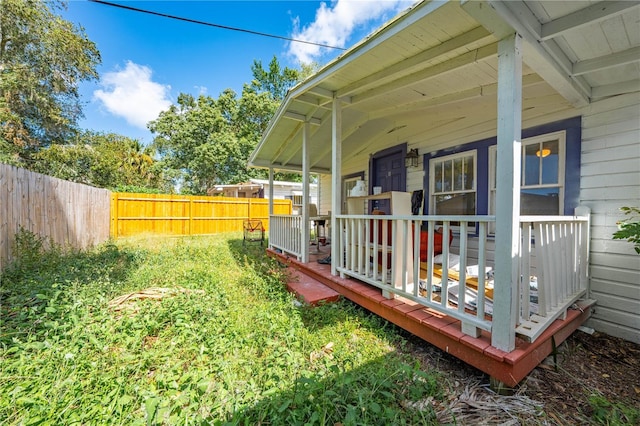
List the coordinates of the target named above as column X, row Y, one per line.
column 133, row 214
column 65, row 213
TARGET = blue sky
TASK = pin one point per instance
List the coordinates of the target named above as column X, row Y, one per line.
column 148, row 60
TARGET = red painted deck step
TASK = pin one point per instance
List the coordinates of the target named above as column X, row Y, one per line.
column 309, row 290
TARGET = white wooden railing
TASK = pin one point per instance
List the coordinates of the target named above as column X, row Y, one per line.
column 285, row 234
column 553, row 265
column 384, row 251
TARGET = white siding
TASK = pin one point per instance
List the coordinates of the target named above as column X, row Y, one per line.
column 610, row 179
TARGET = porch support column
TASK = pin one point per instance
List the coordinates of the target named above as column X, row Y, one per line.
column 336, row 185
column 270, row 192
column 305, row 194
column 507, row 192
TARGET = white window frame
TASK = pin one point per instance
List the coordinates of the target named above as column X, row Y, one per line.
column 432, row 183
column 561, row 137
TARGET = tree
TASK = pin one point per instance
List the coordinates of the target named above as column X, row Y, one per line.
column 43, row 58
column 103, row 160
column 204, row 141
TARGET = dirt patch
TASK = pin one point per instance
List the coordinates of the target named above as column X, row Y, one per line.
column 555, row 393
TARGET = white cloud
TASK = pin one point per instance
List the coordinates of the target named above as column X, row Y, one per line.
column 334, row 24
column 131, row 94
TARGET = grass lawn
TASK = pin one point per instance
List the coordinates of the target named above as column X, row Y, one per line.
column 221, row 343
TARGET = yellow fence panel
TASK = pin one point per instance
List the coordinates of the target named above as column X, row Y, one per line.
column 134, row 214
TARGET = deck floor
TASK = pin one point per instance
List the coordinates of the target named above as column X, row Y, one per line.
column 441, row 330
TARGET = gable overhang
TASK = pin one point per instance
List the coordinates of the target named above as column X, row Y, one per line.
column 430, row 77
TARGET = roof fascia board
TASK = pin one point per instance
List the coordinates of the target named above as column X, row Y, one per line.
column 547, row 59
column 591, row 14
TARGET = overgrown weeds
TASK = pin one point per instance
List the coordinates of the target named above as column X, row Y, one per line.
column 232, row 348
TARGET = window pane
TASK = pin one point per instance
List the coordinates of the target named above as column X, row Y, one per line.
column 447, row 176
column 550, row 163
column 458, row 174
column 437, row 177
column 456, row 204
column 532, row 155
column 542, row 201
column 469, row 174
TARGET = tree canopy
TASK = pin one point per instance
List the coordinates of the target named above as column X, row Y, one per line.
column 43, row 58
column 105, row 160
column 204, row 141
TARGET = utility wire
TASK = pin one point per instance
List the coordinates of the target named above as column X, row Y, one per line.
column 224, row 27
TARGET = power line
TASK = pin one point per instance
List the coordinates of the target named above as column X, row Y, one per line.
column 224, row 27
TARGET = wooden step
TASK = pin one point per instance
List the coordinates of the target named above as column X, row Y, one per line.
column 309, row 290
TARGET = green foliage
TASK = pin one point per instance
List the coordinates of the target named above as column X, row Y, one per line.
column 203, row 142
column 612, row 413
column 43, row 59
column 103, row 160
column 227, row 346
column 629, row 228
column 275, row 81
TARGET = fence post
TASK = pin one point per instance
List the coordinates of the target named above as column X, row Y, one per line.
column 114, row 215
column 249, row 215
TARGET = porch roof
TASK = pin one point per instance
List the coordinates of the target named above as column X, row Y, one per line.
column 431, row 74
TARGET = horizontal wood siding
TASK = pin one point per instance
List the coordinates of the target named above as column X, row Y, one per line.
column 163, row 214
column 64, row 213
column 610, row 179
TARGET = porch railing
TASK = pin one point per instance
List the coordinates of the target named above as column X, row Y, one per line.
column 392, row 253
column 285, row 233
column 554, row 259
column 398, row 255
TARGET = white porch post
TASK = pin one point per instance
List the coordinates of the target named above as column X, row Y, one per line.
column 305, row 193
column 507, row 192
column 270, row 191
column 336, row 184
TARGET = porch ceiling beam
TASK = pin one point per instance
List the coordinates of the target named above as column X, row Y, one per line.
column 545, row 58
column 436, row 70
column 289, row 167
column 300, row 117
column 404, row 67
column 449, row 98
column 285, row 142
column 319, row 91
column 345, row 135
column 312, row 100
column 615, row 89
column 309, row 136
column 609, row 61
column 589, row 15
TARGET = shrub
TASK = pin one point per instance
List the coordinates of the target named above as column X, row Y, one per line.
column 629, row 228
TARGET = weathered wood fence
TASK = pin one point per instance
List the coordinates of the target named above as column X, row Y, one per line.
column 71, row 214
column 134, row 214
column 65, row 213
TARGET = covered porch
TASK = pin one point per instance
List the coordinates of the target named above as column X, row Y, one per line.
column 455, row 86
column 440, row 329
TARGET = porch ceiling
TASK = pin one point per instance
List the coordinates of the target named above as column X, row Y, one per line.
column 432, row 71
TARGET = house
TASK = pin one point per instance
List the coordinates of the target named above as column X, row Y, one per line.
column 465, row 101
column 259, row 188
